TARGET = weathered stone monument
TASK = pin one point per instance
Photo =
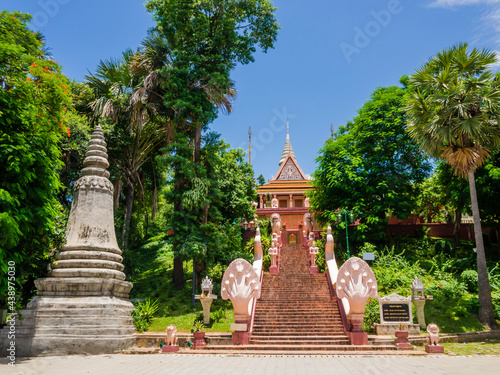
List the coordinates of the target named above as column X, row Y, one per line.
column 82, row 306
column 274, row 252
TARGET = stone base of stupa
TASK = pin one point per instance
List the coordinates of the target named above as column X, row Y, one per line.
column 74, row 324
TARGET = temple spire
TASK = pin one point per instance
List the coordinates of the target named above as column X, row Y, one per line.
column 288, row 146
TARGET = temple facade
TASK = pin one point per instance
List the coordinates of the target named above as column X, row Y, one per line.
column 285, row 192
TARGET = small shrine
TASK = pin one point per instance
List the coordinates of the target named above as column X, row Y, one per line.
column 284, row 193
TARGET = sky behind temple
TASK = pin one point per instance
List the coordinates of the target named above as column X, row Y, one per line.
column 329, row 57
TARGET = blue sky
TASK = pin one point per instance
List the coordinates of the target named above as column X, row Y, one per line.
column 329, row 57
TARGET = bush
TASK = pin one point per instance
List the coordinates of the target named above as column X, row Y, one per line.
column 469, row 279
column 443, row 247
column 372, row 315
column 143, row 314
column 219, row 315
column 394, row 273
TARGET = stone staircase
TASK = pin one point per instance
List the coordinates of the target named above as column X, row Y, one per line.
column 296, row 310
column 296, row 314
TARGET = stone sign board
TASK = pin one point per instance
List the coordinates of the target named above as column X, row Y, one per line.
column 395, row 308
column 395, row 312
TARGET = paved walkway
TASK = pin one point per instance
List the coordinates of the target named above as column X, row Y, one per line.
column 173, row 364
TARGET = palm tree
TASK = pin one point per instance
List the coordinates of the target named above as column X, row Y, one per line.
column 454, row 114
column 115, row 91
column 154, row 63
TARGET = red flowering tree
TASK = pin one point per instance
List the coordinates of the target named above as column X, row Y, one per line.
column 34, row 100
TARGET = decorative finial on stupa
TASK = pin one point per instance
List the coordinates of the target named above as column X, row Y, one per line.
column 96, row 158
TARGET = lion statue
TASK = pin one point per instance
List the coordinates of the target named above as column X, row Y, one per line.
column 433, row 338
column 171, row 331
column 308, row 224
column 276, row 223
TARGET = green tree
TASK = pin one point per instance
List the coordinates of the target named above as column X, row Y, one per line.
column 370, row 168
column 207, row 39
column 454, row 115
column 261, row 180
column 428, row 203
column 135, row 133
column 34, row 102
column 213, row 194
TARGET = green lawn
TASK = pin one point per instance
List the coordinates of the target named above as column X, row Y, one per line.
column 184, row 322
column 487, row 347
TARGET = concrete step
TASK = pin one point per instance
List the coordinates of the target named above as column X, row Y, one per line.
column 299, row 342
column 292, row 319
column 296, row 310
column 294, row 348
column 317, row 338
column 294, row 332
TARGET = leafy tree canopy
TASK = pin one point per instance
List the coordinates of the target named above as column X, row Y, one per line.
column 207, row 38
column 214, row 194
column 34, row 101
column 370, row 168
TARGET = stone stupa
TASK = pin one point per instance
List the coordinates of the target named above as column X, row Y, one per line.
column 82, row 306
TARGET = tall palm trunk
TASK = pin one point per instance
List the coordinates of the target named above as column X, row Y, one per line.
column 484, row 290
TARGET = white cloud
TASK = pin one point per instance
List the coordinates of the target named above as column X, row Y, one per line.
column 487, row 25
column 456, row 3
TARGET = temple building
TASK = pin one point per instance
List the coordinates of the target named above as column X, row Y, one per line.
column 284, row 193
